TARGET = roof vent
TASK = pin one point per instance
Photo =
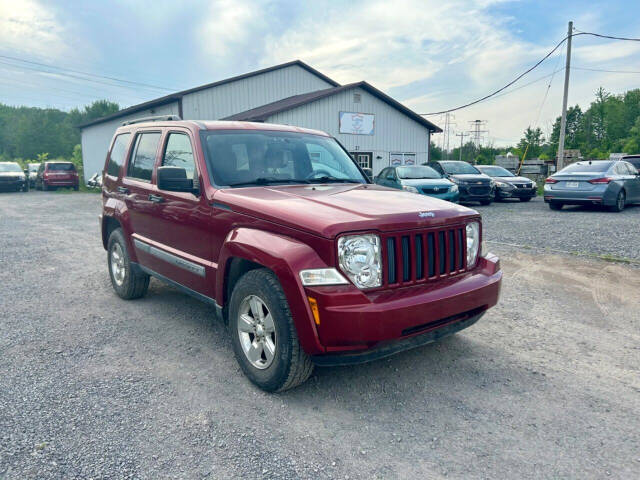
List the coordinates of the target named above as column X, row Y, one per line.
column 356, row 98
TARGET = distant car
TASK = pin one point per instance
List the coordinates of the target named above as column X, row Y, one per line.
column 633, row 160
column 52, row 175
column 12, row 177
column 509, row 185
column 33, row 172
column 611, row 183
column 474, row 186
column 95, row 181
column 419, row 179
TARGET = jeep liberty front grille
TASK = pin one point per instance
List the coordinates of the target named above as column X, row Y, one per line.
column 414, row 257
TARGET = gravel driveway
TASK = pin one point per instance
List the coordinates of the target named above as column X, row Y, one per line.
column 546, row 385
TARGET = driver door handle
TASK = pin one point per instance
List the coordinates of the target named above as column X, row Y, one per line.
column 156, row 198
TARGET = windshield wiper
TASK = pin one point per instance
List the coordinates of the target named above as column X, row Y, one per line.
column 327, row 179
column 268, row 180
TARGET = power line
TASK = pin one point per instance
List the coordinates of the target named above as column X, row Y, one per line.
column 531, row 69
column 608, row 71
column 130, row 82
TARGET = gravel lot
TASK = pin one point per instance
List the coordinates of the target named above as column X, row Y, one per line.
column 576, row 229
column 546, row 385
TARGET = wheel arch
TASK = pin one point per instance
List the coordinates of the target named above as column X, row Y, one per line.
column 246, row 249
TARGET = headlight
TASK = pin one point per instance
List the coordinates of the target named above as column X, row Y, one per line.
column 473, row 243
column 454, row 180
column 534, row 185
column 322, row 276
column 454, row 188
column 409, row 188
column 503, row 185
column 359, row 258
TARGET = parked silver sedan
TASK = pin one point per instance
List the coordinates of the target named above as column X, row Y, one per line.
column 611, row 183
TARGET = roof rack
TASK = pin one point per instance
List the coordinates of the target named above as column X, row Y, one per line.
column 157, row 118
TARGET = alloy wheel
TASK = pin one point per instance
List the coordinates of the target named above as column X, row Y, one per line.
column 118, row 267
column 256, row 331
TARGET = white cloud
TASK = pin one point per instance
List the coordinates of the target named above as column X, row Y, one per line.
column 30, row 27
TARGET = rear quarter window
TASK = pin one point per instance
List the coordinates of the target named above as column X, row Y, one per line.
column 118, row 154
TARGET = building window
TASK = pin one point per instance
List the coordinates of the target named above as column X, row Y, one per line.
column 364, row 159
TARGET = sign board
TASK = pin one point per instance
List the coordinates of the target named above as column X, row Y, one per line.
column 357, row 123
column 395, row 159
column 399, row 159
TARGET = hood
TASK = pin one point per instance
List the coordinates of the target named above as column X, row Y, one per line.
column 427, row 182
column 328, row 210
column 472, row 177
column 513, row 179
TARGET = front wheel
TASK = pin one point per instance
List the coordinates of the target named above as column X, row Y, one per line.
column 555, row 206
column 485, row 202
column 621, row 201
column 264, row 337
column 525, row 199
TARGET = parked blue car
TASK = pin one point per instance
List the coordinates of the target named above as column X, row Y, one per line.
column 419, row 179
column 611, row 183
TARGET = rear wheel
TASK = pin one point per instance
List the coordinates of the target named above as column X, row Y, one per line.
column 621, row 201
column 127, row 283
column 555, row 205
column 485, row 202
column 264, row 337
column 76, row 188
column 525, row 199
column 45, row 187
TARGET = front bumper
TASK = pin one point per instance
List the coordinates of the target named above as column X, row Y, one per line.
column 11, row 184
column 353, row 321
column 516, row 192
column 448, row 196
column 474, row 193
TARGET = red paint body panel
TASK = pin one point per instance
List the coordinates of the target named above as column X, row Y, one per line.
column 289, row 228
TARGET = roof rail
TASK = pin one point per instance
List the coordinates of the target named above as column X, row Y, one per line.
column 157, row 118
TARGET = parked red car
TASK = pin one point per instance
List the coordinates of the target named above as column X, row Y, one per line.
column 52, row 175
column 305, row 259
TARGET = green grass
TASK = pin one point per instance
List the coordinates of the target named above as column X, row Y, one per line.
column 83, row 189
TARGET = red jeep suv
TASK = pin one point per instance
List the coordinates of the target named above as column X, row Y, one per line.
column 276, row 226
column 52, row 175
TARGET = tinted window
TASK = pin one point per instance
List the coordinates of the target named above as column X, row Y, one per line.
column 635, row 161
column 456, row 168
column 65, row 167
column 417, row 172
column 179, row 153
column 587, row 167
column 118, row 153
column 144, row 157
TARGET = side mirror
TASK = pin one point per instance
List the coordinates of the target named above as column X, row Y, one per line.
column 174, row 179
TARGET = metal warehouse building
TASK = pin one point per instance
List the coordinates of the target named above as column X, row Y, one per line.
column 375, row 128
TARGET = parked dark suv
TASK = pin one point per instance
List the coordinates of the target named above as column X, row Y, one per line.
column 279, row 229
column 52, row 175
column 473, row 185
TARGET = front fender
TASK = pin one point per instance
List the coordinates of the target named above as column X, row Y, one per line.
column 284, row 256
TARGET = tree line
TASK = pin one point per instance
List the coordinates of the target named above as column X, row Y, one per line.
column 610, row 124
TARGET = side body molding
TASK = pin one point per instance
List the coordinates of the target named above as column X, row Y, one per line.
column 285, row 256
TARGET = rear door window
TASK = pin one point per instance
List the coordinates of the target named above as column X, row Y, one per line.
column 118, row 153
column 144, row 156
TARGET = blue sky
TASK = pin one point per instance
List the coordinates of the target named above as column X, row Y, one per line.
column 430, row 55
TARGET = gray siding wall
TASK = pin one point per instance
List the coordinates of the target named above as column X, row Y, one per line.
column 225, row 100
column 394, row 131
column 97, row 138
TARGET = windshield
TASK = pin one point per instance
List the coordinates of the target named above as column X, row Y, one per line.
column 586, row 167
column 417, row 172
column 10, row 167
column 241, row 158
column 60, row 166
column 496, row 172
column 456, row 168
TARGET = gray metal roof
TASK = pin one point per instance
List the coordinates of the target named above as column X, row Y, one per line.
column 178, row 95
column 262, row 114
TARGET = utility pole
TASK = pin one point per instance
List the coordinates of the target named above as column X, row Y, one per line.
column 563, row 120
column 462, row 135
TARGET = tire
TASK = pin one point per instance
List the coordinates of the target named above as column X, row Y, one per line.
column 127, row 283
column 485, row 202
column 76, row 188
column 45, row 187
column 525, row 199
column 288, row 365
column 621, row 201
column 555, row 205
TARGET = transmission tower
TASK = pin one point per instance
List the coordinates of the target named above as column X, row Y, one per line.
column 477, row 131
